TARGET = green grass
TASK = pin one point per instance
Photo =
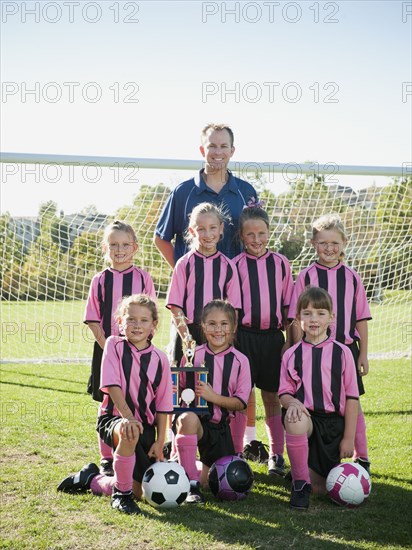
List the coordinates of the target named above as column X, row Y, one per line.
column 35, row 330
column 38, row 330
column 48, row 431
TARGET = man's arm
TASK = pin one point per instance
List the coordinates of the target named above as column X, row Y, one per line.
column 166, row 249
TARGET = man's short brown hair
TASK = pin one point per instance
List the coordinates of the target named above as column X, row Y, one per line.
column 218, row 128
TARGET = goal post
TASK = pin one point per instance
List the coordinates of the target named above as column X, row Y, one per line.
column 47, row 262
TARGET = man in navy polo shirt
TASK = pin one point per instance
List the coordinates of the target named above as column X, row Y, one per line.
column 214, row 184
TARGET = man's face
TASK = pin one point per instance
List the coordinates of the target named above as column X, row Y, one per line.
column 217, row 149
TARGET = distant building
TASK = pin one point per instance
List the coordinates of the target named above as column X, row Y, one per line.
column 27, row 229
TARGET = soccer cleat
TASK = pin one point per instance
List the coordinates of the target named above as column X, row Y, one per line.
column 167, row 450
column 195, row 495
column 106, row 467
column 288, row 477
column 256, row 451
column 299, row 499
column 364, row 462
column 79, row 482
column 124, row 502
column 276, row 466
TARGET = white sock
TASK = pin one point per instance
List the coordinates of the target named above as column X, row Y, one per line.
column 250, row 434
column 170, row 435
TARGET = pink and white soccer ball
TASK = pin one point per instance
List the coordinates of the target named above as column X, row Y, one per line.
column 348, row 484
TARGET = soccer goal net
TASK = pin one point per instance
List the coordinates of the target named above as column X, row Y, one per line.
column 47, row 262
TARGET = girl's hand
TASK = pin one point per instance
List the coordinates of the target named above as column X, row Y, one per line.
column 346, row 448
column 156, row 451
column 295, row 411
column 205, row 390
column 130, row 429
column 363, row 365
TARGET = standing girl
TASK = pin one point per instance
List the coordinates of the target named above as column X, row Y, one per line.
column 350, row 306
column 137, row 386
column 266, row 289
column 319, row 393
column 227, row 390
column 107, row 289
column 201, row 275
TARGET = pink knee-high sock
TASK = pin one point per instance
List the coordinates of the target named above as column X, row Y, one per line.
column 276, row 434
column 298, row 452
column 102, row 485
column 123, row 467
column 237, row 429
column 106, row 452
column 361, row 444
column 186, row 446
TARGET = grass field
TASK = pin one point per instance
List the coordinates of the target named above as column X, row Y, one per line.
column 35, row 330
column 48, row 431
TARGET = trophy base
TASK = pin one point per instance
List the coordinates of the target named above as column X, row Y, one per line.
column 196, row 410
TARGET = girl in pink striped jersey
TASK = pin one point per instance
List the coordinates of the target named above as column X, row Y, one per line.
column 201, row 275
column 137, row 385
column 226, row 390
column 350, row 306
column 319, row 393
column 266, row 288
column 107, row 289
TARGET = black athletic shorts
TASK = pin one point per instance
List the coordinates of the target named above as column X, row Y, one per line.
column 324, row 451
column 215, row 442
column 93, row 384
column 105, row 427
column 355, row 352
column 263, row 349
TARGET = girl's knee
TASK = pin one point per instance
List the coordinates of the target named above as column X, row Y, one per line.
column 300, row 427
column 187, row 423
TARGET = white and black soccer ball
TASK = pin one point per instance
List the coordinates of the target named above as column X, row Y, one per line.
column 348, row 484
column 165, row 484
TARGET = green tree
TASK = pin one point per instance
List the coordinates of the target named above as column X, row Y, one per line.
column 143, row 215
column 86, row 259
column 12, row 258
column 45, row 273
column 393, row 248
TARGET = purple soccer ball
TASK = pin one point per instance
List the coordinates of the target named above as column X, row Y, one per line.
column 230, row 478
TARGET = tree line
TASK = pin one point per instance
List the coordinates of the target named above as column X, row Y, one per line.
column 378, row 222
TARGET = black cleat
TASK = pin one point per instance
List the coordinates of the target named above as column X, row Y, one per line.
column 79, row 482
column 256, row 451
column 167, row 450
column 124, row 502
column 276, row 466
column 364, row 462
column 106, row 467
column 299, row 499
column 195, row 495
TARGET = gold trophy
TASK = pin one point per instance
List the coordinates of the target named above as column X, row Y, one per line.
column 185, row 399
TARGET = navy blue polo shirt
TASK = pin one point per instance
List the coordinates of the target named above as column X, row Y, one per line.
column 174, row 218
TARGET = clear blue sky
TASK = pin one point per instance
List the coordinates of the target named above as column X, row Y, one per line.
column 320, row 81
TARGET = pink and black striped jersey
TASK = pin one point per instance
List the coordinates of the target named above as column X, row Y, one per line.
column 144, row 377
column 348, row 297
column 320, row 376
column 228, row 374
column 107, row 289
column 198, row 279
column 266, row 289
